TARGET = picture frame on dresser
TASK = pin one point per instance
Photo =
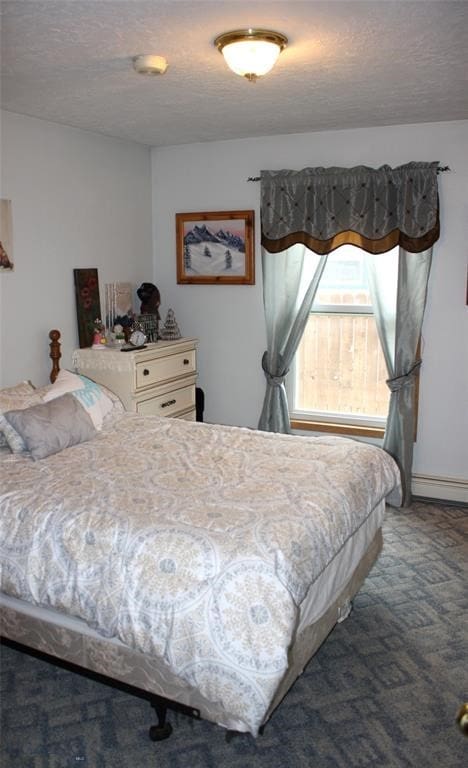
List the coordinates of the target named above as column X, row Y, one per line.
column 88, row 303
column 215, row 248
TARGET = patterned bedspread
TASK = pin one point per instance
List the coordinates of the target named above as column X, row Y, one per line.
column 190, row 541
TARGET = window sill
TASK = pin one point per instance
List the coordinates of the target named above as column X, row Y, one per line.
column 337, row 428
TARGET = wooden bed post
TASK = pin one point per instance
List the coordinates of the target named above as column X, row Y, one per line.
column 55, row 354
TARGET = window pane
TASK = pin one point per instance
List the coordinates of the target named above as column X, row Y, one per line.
column 344, row 279
column 340, row 367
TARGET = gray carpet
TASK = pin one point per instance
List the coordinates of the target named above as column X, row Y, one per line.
column 383, row 691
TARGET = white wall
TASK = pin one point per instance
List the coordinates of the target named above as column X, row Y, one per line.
column 79, row 200
column 228, row 320
column 84, row 200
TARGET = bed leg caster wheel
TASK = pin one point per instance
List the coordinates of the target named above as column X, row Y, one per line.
column 162, row 730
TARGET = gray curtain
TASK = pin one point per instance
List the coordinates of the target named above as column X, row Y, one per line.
column 399, row 309
column 286, row 314
column 375, row 209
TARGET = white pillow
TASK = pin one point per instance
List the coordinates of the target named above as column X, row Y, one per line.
column 87, row 392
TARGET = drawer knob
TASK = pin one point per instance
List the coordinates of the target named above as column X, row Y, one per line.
column 145, row 372
column 186, row 361
column 168, row 402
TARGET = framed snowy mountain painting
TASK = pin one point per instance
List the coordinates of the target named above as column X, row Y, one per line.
column 215, row 248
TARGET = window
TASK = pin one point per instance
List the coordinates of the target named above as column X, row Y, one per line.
column 338, row 378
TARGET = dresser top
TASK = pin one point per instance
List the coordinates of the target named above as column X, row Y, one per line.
column 113, row 358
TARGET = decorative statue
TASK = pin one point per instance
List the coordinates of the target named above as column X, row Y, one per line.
column 99, row 334
column 149, row 317
column 170, row 331
column 150, row 299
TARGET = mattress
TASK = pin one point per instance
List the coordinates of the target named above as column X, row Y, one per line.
column 209, row 548
column 327, row 602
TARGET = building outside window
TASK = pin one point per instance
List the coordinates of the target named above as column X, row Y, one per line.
column 337, row 382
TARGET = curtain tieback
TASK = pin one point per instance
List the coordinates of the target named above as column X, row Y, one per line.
column 272, row 379
column 405, row 380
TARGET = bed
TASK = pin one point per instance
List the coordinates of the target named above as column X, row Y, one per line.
column 200, row 563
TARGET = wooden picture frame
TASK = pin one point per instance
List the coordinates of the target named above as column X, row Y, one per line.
column 88, row 303
column 6, row 236
column 215, row 248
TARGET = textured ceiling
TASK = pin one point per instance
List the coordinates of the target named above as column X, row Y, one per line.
column 348, row 64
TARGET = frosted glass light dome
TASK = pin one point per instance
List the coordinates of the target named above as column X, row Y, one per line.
column 251, row 53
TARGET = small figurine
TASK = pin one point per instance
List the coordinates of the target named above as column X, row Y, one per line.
column 118, row 335
column 99, row 334
column 170, row 331
column 149, row 310
column 150, row 299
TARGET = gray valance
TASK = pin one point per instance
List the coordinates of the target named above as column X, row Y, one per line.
column 375, row 209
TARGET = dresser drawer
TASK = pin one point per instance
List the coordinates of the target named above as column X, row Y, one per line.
column 159, row 379
column 169, row 404
column 164, row 368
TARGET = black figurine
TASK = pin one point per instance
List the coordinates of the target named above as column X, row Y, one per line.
column 150, row 299
column 149, row 318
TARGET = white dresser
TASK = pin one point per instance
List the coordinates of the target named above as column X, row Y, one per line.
column 159, row 379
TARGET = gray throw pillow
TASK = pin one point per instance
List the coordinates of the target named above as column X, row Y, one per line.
column 50, row 427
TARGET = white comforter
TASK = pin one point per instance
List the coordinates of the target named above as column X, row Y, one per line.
column 193, row 542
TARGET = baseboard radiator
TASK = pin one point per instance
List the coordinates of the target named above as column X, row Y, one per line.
column 444, row 488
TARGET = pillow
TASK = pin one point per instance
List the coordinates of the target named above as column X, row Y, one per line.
column 42, row 391
column 117, row 406
column 23, row 389
column 87, row 392
column 50, row 427
column 66, row 381
column 20, row 396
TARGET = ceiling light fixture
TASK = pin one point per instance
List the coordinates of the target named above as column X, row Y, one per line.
column 251, row 53
column 147, row 64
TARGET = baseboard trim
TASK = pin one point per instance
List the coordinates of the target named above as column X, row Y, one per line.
column 443, row 488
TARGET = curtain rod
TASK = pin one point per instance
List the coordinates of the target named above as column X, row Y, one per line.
column 440, row 169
